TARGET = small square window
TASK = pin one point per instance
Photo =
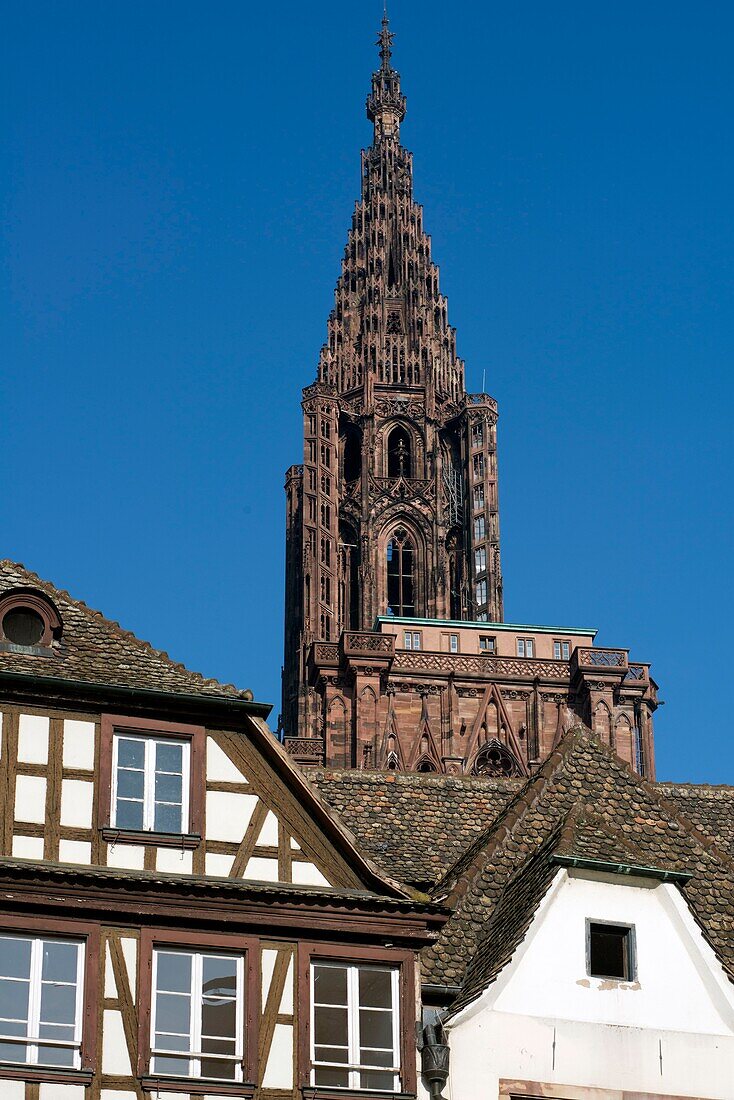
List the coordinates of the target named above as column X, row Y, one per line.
column 525, row 647
column 561, row 651
column 412, row 639
column 487, row 644
column 610, row 951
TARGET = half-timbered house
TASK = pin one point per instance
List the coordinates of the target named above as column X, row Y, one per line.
column 181, row 914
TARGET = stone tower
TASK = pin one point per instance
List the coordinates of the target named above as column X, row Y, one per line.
column 379, row 516
column 393, row 531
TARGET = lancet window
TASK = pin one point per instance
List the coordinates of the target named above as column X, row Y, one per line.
column 399, row 459
column 401, row 574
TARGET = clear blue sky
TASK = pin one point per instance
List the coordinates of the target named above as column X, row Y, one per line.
column 176, row 183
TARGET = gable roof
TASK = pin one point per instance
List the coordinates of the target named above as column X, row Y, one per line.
column 96, row 650
column 496, row 885
column 415, row 824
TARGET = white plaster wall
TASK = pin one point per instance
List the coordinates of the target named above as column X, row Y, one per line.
column 218, row 864
column 261, row 869
column 33, row 739
column 670, row 1032
column 77, row 798
column 53, row 1091
column 78, row 751
column 30, row 798
column 115, row 1057
column 28, row 847
column 279, row 1070
column 75, row 851
column 13, row 1090
column 219, row 767
column 174, row 861
column 228, row 814
column 130, row 856
column 306, row 874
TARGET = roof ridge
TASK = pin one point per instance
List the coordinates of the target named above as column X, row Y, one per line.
column 505, row 822
column 119, row 630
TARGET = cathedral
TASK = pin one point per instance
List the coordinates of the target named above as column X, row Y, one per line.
column 397, row 655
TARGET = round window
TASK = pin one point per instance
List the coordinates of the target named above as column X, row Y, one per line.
column 23, row 626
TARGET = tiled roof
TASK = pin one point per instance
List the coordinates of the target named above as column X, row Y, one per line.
column 96, row 650
column 709, row 808
column 415, row 825
column 496, row 885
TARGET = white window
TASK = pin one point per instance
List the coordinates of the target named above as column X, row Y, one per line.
column 41, row 993
column 561, row 651
column 487, row 644
column 355, row 1027
column 481, row 592
column 150, row 784
column 478, row 497
column 453, row 643
column 479, row 528
column 198, row 1013
column 525, row 647
column 412, row 639
column 480, row 559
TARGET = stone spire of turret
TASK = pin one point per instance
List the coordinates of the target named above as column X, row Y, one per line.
column 386, row 103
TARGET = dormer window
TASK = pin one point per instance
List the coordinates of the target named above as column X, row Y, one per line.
column 610, row 951
column 28, row 620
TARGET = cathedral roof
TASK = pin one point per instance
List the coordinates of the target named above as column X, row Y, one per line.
column 96, row 650
column 584, row 806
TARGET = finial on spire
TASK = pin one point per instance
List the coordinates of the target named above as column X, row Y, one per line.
column 384, row 41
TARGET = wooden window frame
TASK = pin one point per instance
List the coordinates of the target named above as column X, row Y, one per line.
column 195, row 737
column 167, row 938
column 405, row 963
column 89, row 933
column 492, row 650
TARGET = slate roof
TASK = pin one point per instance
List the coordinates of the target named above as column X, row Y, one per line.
column 97, row 650
column 415, row 825
column 495, row 887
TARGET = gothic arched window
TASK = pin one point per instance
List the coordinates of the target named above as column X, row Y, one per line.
column 352, row 451
column 401, row 574
column 398, row 453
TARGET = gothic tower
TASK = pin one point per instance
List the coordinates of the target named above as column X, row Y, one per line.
column 394, row 510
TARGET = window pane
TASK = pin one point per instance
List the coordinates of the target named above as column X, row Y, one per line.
column 377, row 1057
column 375, row 1028
column 176, row 1067
column 173, row 1013
column 13, row 1052
column 130, row 784
column 167, row 819
column 330, row 985
column 167, row 787
column 337, row 1078
column 330, row 1026
column 375, row 989
column 130, row 754
column 56, row 1056
column 13, row 1006
column 331, row 1054
column 372, row 1079
column 173, row 972
column 58, row 1003
column 168, row 757
column 15, row 957
column 60, row 961
column 128, row 815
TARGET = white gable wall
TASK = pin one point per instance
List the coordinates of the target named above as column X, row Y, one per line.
column 669, row 1032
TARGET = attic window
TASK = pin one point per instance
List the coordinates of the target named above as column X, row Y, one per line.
column 23, row 626
column 610, row 951
column 28, row 620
